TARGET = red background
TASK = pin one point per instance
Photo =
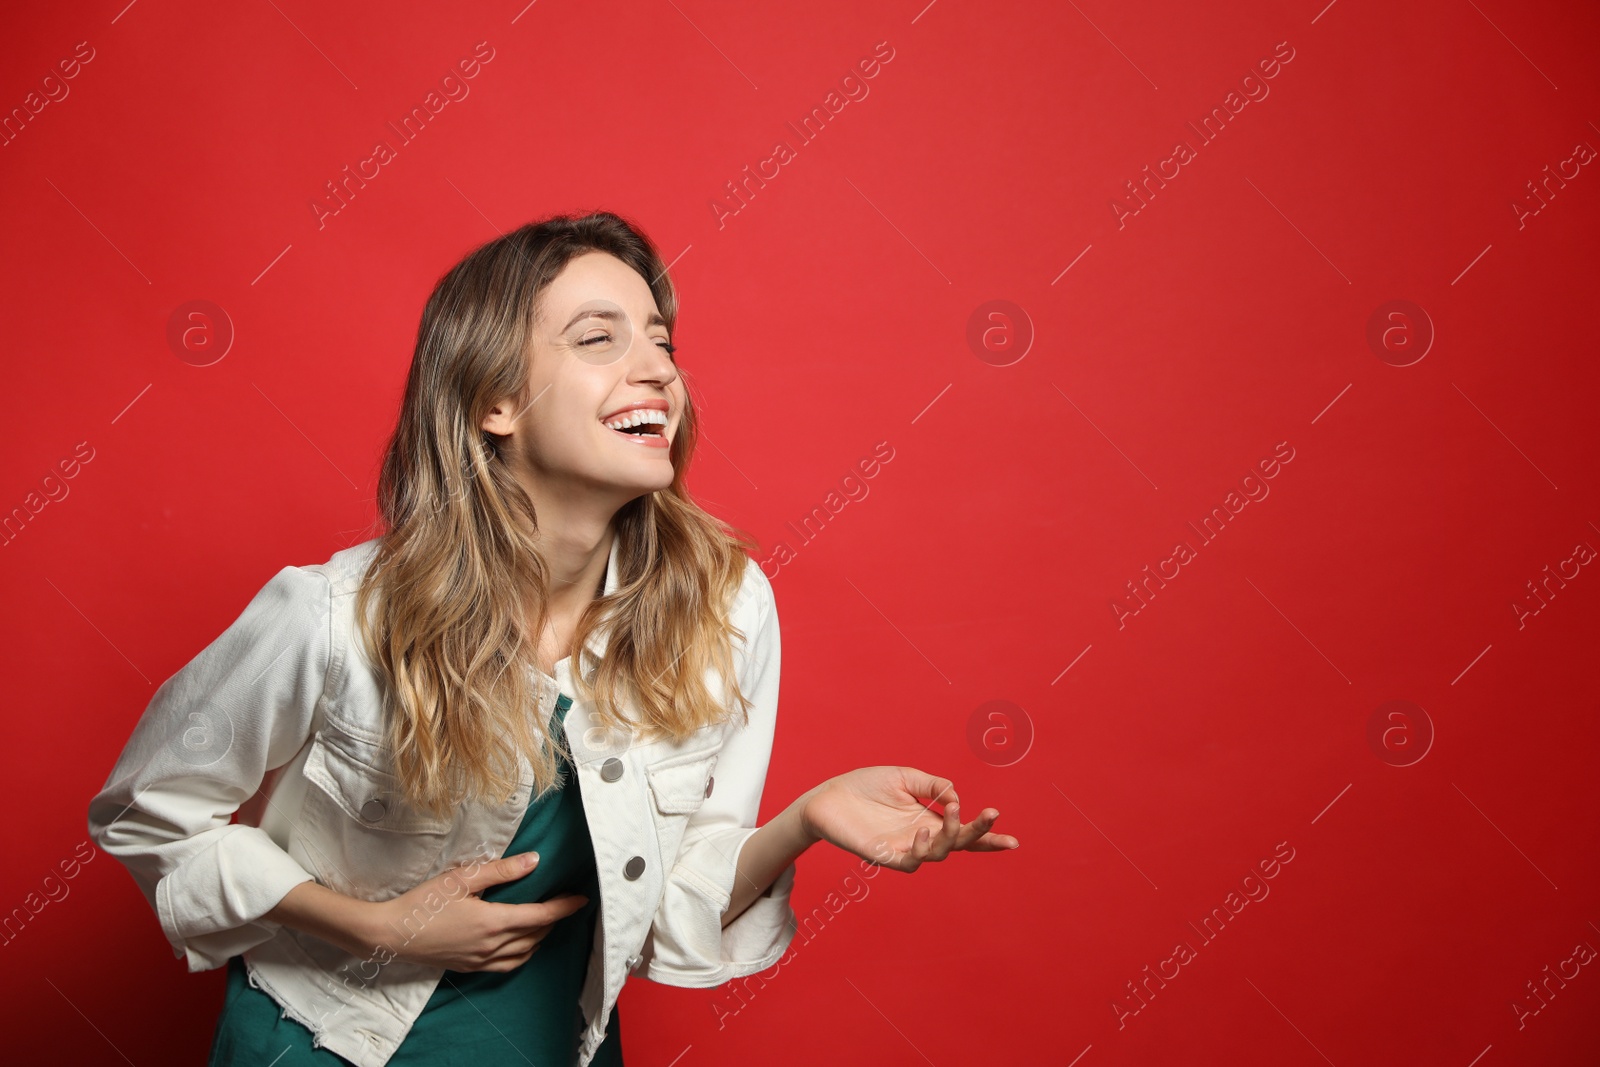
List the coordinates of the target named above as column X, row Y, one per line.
column 831, row 313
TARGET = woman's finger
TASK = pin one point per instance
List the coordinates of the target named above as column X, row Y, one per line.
column 514, row 952
column 508, row 962
column 949, row 833
column 925, row 786
column 539, row 915
column 975, row 829
column 518, row 944
column 919, row 846
column 995, row 843
column 921, row 843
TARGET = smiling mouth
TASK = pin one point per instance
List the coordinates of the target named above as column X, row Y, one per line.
column 649, row 429
column 641, row 430
column 649, row 437
column 639, row 423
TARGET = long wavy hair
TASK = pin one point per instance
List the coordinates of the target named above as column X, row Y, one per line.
column 458, row 592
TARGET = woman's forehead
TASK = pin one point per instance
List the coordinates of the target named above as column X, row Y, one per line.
column 596, row 281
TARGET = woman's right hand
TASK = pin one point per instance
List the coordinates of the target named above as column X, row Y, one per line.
column 468, row 933
column 442, row 922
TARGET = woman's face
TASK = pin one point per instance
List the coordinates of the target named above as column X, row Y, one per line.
column 598, row 349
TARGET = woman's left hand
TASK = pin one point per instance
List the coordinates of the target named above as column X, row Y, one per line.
column 881, row 814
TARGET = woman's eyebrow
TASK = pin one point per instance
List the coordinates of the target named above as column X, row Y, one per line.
column 656, row 318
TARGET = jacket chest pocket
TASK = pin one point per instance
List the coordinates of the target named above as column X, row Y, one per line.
column 360, row 834
column 679, row 785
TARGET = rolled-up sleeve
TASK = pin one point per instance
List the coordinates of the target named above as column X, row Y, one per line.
column 242, row 707
column 688, row 945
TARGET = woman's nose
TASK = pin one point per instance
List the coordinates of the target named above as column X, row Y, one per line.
column 655, row 363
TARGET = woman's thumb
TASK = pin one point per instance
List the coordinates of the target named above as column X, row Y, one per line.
column 922, row 784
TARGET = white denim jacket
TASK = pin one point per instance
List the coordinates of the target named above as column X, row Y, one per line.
column 287, row 688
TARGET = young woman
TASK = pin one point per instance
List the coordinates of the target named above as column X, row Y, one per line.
column 512, row 750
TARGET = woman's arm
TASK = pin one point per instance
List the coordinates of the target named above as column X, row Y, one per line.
column 243, row 706
column 443, row 922
column 880, row 814
column 713, row 923
column 766, row 854
column 339, row 920
column 884, row 815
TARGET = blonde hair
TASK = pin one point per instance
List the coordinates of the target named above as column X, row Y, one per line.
column 456, row 577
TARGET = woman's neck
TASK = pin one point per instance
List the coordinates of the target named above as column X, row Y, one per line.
column 578, row 578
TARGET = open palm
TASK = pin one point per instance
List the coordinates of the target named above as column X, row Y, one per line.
column 882, row 815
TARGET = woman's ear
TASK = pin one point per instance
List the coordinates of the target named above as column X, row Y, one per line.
column 501, row 417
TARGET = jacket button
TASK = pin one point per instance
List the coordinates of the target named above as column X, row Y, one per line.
column 633, row 962
column 611, row 769
column 373, row 810
column 709, row 783
column 634, row 868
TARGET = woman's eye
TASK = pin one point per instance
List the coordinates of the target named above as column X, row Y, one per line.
column 588, row 342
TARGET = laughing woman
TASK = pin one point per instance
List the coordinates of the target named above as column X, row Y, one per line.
column 512, row 750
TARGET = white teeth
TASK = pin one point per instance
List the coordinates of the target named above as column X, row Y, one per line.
column 638, row 418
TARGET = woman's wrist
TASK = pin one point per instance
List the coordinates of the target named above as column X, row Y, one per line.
column 348, row 923
column 767, row 853
column 808, row 832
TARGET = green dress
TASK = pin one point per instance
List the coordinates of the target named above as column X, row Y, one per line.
column 474, row 1018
